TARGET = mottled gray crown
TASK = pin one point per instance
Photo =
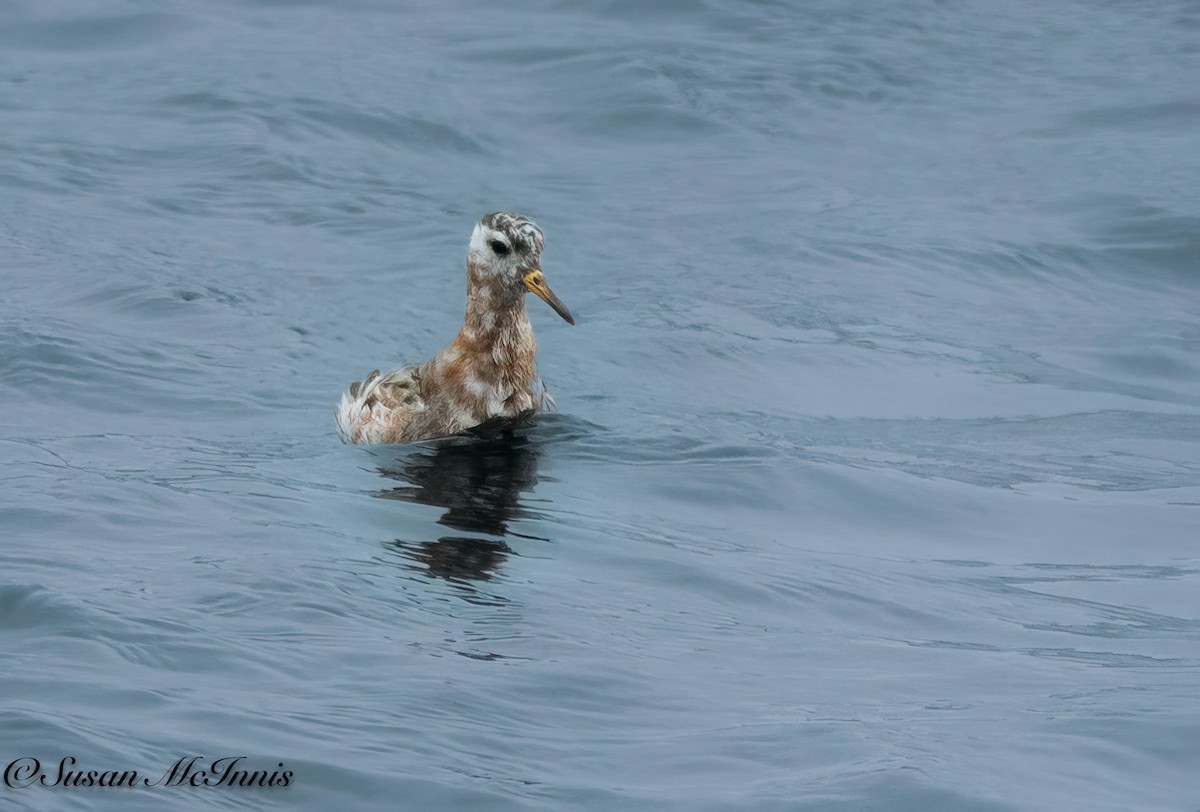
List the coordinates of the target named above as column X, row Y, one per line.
column 526, row 237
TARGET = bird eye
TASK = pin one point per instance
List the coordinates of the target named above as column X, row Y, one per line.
column 500, row 248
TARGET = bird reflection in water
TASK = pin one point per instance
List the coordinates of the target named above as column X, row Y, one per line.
column 479, row 480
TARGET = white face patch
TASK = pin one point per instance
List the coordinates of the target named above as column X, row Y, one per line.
column 483, row 256
column 478, row 250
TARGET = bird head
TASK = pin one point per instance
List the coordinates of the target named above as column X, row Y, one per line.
column 506, row 250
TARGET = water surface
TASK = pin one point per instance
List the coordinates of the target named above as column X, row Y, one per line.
column 876, row 477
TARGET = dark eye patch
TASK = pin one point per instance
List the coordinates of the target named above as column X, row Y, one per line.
column 500, row 248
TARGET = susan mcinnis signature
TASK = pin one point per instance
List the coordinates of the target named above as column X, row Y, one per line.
column 194, row 771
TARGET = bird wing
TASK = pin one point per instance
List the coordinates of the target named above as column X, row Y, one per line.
column 373, row 408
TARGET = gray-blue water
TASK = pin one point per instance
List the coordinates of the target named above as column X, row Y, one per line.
column 876, row 479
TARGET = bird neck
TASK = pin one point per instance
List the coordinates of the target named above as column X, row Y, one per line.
column 496, row 330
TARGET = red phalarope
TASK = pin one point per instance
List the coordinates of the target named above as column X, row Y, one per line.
column 487, row 371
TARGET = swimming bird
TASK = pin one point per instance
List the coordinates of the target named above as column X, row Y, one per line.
column 487, row 371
